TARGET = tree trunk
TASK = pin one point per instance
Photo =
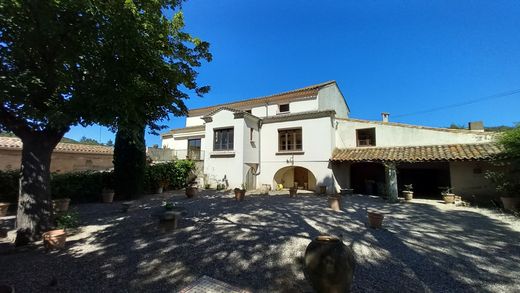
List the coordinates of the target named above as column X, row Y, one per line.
column 34, row 215
column 129, row 162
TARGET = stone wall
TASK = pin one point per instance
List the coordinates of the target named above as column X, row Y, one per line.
column 62, row 162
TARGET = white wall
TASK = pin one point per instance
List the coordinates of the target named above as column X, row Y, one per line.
column 318, row 143
column 466, row 182
column 194, row 121
column 394, row 135
column 230, row 167
column 330, row 98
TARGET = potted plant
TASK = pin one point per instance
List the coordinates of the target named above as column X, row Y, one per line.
column 408, row 192
column 323, row 189
column 4, row 206
column 240, row 193
column 447, row 194
column 191, row 188
column 61, row 204
column 54, row 239
column 375, row 219
column 508, row 185
column 335, row 202
column 293, row 191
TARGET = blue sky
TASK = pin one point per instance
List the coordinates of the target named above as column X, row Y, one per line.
column 395, row 56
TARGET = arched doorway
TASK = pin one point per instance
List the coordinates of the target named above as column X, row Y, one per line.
column 368, row 178
column 295, row 176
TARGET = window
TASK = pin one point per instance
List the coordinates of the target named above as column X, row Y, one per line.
column 194, row 149
column 290, row 140
column 248, row 111
column 283, row 108
column 366, row 137
column 223, row 139
column 251, row 134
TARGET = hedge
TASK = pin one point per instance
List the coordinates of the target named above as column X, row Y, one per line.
column 86, row 186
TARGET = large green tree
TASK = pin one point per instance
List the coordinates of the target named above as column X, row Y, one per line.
column 72, row 62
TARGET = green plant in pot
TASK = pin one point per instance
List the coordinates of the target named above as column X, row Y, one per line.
column 447, row 194
column 240, row 193
column 408, row 192
column 506, row 174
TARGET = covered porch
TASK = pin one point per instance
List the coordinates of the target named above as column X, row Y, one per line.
column 385, row 170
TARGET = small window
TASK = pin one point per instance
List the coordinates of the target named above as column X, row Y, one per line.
column 251, row 133
column 248, row 111
column 223, row 139
column 283, row 108
column 366, row 137
column 194, row 149
column 290, row 140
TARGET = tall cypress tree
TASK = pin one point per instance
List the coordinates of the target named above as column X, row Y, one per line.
column 129, row 162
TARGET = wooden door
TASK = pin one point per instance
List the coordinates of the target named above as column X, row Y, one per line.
column 301, row 176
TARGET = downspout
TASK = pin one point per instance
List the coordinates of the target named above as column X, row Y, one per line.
column 258, row 171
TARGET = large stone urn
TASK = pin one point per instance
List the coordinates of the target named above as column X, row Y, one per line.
column 329, row 265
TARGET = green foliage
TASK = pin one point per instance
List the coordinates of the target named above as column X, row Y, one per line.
column 67, row 220
column 80, row 186
column 129, row 162
column 408, row 187
column 9, row 181
column 506, row 176
column 172, row 175
column 85, row 140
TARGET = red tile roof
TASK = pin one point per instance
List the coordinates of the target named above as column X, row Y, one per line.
column 453, row 152
column 297, row 94
column 14, row 143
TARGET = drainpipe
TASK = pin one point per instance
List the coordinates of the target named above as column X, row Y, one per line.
column 258, row 171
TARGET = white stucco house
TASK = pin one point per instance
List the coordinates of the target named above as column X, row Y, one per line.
column 305, row 138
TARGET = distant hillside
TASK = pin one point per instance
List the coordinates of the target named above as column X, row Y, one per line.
column 489, row 128
column 65, row 139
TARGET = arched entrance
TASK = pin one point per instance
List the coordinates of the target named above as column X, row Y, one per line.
column 292, row 176
column 368, row 178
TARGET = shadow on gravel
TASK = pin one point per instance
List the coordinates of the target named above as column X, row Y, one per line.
column 258, row 244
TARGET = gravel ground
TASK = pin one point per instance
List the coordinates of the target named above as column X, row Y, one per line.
column 258, row 244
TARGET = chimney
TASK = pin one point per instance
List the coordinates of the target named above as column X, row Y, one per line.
column 384, row 116
column 476, row 126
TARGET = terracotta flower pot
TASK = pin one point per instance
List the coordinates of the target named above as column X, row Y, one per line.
column 54, row 239
column 293, row 191
column 511, row 203
column 108, row 196
column 3, row 208
column 191, row 191
column 329, row 265
column 408, row 195
column 448, row 198
column 335, row 202
column 375, row 220
column 240, row 194
column 61, row 204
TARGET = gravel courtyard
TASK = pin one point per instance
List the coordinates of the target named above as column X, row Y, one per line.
column 258, row 244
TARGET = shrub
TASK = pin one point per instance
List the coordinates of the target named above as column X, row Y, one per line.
column 173, row 175
column 507, row 176
column 80, row 186
column 9, row 181
column 67, row 220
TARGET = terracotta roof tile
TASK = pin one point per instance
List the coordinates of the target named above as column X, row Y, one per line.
column 298, row 94
column 14, row 143
column 455, row 152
